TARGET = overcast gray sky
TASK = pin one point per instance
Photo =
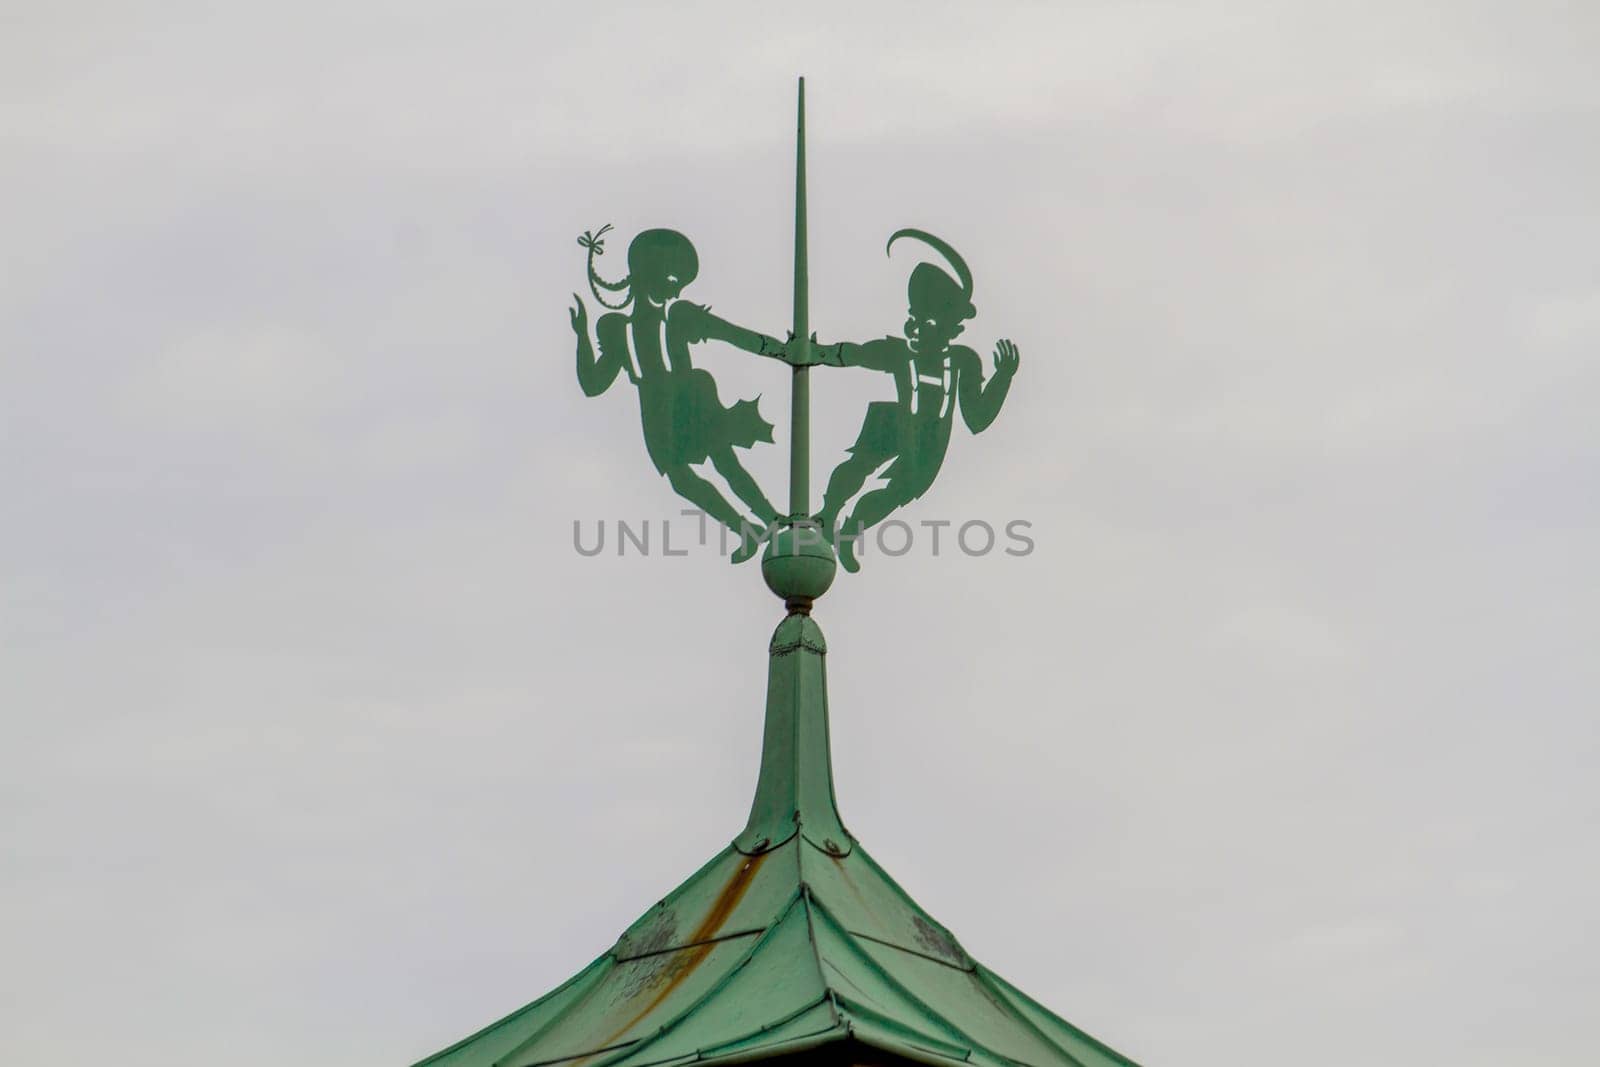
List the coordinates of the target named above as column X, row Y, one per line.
column 322, row 746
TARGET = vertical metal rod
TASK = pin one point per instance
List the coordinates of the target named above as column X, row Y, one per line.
column 800, row 395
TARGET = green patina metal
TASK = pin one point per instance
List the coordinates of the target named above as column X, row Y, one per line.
column 791, row 942
column 647, row 335
column 686, row 423
column 907, row 437
column 799, row 351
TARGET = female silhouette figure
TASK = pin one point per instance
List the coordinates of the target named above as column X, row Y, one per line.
column 684, row 421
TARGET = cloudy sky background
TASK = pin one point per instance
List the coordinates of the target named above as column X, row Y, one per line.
column 322, row 745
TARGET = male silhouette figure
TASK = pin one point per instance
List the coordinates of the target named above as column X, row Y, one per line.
column 932, row 378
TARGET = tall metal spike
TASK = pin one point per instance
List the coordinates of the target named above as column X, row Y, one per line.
column 800, row 396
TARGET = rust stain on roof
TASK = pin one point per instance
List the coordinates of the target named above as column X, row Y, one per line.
column 728, row 899
column 684, row 963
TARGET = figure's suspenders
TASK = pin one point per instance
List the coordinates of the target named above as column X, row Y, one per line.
column 634, row 370
column 943, row 381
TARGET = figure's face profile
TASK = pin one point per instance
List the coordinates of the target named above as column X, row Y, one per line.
column 660, row 264
column 928, row 333
column 939, row 309
column 931, row 329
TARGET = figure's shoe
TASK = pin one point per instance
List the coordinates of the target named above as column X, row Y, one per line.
column 846, row 551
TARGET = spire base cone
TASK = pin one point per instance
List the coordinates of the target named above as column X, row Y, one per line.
column 794, row 793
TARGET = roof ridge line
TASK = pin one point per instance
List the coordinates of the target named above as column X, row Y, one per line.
column 793, row 1044
column 1007, row 991
column 699, row 873
column 863, row 1013
column 691, row 944
column 604, row 957
column 816, row 951
column 716, row 987
column 908, row 900
column 1011, row 1010
column 911, row 951
column 707, row 1053
column 903, row 990
column 789, row 1018
column 558, row 1017
column 574, row 1056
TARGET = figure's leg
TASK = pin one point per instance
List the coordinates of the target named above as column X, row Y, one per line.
column 743, row 486
column 870, row 510
column 845, row 482
column 703, row 495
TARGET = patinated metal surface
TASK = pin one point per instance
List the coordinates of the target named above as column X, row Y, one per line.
column 792, row 943
column 650, row 330
column 791, row 938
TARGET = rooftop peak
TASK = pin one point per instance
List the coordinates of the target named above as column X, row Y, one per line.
column 790, row 939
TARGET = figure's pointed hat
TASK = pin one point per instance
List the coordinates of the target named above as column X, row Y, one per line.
column 932, row 287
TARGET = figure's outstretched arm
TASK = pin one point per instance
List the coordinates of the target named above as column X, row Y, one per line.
column 693, row 322
column 838, row 354
column 752, row 341
column 874, row 355
column 980, row 400
column 595, row 373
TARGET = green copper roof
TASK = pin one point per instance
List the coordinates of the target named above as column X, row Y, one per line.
column 792, row 938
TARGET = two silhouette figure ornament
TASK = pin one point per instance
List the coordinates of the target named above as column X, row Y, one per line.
column 647, row 333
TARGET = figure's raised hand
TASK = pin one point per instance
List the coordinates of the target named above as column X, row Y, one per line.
column 579, row 315
column 1006, row 358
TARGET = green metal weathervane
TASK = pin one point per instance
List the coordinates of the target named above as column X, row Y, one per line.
column 647, row 333
column 791, row 946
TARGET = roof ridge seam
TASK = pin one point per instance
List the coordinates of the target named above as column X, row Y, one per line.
column 1010, row 993
column 560, row 1016
column 794, row 1044
column 1012, row 1010
column 905, row 897
column 816, row 952
column 691, row 944
column 972, row 965
column 716, row 987
column 922, row 1006
column 765, row 1027
column 525, row 1009
column 875, row 1017
column 572, row 1056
